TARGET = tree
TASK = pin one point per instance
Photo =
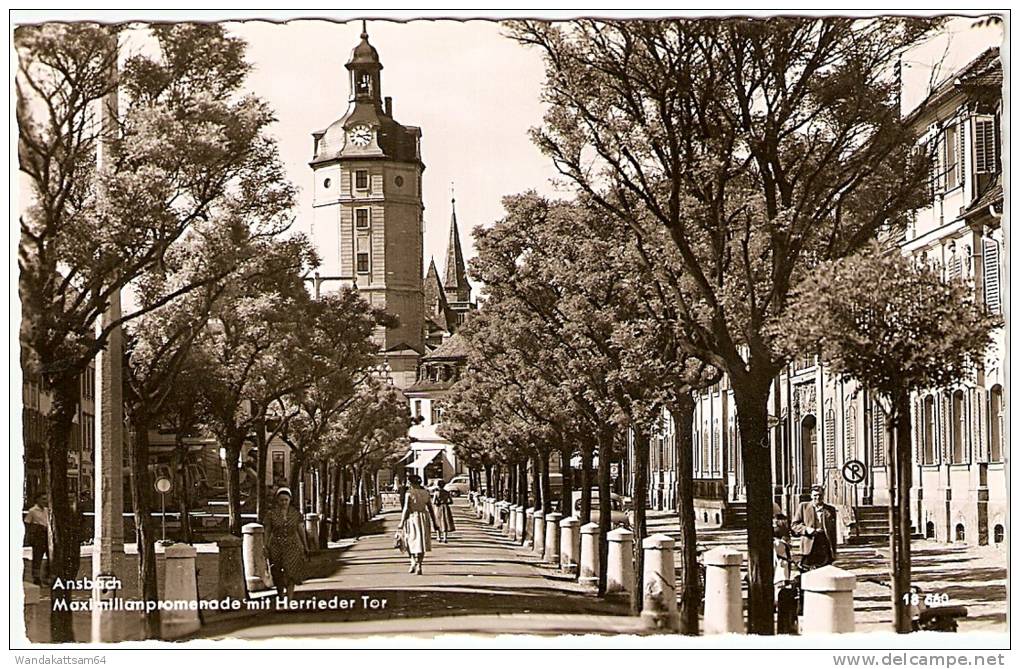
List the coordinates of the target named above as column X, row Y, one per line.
column 183, row 138
column 761, row 147
column 897, row 328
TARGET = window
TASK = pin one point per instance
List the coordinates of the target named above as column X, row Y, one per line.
column 437, row 413
column 950, row 151
column 361, row 221
column 878, row 434
column 279, row 474
column 417, row 408
column 363, row 263
column 361, row 179
column 928, row 421
column 958, row 426
column 995, row 424
column 991, row 271
column 985, row 146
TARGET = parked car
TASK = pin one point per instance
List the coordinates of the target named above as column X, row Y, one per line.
column 619, row 517
column 458, row 485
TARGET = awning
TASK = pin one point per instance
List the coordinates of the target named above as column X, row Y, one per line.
column 423, row 459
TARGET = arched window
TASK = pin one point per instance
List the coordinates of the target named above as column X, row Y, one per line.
column 995, row 419
column 928, row 420
column 998, row 534
column 929, row 530
column 958, row 427
column 830, row 436
column 961, row 533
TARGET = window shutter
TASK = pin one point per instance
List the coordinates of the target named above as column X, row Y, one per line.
column 830, row 438
column 977, row 437
column 944, row 418
column 984, row 146
column 991, row 270
column 961, row 151
column 878, row 439
column 955, row 267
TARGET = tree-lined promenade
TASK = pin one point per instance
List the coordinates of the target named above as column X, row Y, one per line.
column 739, row 190
column 190, row 214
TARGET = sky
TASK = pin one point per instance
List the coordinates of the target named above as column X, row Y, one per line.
column 472, row 91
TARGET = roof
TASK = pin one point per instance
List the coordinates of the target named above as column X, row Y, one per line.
column 991, row 195
column 454, row 348
column 426, row 385
column 436, row 305
column 983, row 72
column 364, row 53
column 456, row 282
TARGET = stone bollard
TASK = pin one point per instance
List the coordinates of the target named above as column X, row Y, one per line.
column 723, row 602
column 256, row 567
column 312, row 530
column 539, row 539
column 231, row 570
column 511, row 531
column 590, row 556
column 486, row 514
column 33, row 618
column 552, row 538
column 491, row 511
column 181, row 585
column 508, row 518
column 519, row 524
column 501, row 516
column 477, row 501
column 570, row 544
column 529, row 527
column 620, row 562
column 658, row 610
column 828, row 601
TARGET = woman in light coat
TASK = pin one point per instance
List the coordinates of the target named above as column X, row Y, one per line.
column 415, row 523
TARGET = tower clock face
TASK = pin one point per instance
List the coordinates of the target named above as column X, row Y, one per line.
column 360, row 135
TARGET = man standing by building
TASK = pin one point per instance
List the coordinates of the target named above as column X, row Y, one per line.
column 37, row 533
column 815, row 523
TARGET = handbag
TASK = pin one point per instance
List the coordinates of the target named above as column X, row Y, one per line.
column 398, row 540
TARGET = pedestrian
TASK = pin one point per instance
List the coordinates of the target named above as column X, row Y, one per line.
column 442, row 500
column 414, row 523
column 781, row 543
column 37, row 534
column 286, row 545
column 815, row 523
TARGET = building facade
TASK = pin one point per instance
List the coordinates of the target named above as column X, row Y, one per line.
column 820, row 423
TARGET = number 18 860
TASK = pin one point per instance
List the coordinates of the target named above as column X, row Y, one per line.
column 929, row 599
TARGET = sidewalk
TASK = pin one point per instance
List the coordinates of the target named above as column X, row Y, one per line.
column 480, row 583
column 972, row 576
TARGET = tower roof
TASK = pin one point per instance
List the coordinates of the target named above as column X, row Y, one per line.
column 364, row 53
column 436, row 306
column 456, row 283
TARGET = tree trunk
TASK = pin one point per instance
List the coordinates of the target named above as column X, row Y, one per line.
column 356, row 502
column 587, row 453
column 343, row 526
column 751, row 398
column 641, row 444
column 567, row 486
column 261, row 504
column 488, row 481
column 546, row 486
column 535, row 501
column 322, row 497
column 141, row 485
column 297, row 466
column 183, row 489
column 606, row 437
column 512, row 484
column 233, row 450
column 522, row 494
column 64, row 552
column 690, row 585
column 900, row 506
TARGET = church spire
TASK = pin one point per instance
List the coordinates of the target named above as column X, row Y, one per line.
column 455, row 284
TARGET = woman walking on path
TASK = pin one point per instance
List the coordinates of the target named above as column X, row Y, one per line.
column 286, row 544
column 443, row 501
column 414, row 522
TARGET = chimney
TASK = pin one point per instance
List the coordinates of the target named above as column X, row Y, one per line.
column 388, row 102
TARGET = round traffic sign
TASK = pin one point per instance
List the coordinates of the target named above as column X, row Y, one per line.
column 854, row 471
column 163, row 485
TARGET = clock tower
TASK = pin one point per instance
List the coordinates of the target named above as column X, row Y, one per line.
column 367, row 211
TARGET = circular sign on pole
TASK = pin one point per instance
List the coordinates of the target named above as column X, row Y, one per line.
column 614, row 470
column 854, row 471
column 163, row 485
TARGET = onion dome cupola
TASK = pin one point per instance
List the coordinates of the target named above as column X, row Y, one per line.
column 364, row 66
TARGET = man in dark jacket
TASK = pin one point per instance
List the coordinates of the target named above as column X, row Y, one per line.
column 815, row 523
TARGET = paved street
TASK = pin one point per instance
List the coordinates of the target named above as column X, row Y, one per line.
column 479, row 583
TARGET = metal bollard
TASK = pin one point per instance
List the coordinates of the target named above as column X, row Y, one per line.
column 231, row 569
column 590, row 555
column 539, row 540
column 552, row 538
column 658, row 610
column 620, row 561
column 256, row 567
column 570, row 544
column 723, row 603
column 181, row 586
column 828, row 601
